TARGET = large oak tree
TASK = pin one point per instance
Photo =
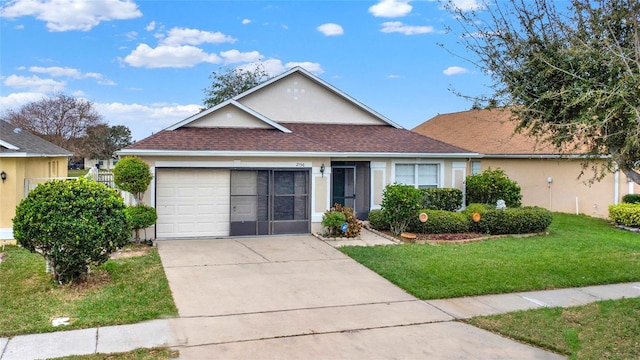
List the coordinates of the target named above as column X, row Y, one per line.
column 570, row 74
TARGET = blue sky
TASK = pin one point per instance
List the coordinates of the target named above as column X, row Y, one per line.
column 144, row 64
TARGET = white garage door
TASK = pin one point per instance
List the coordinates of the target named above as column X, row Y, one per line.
column 192, row 203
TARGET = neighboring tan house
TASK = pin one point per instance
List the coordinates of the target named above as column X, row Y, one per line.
column 546, row 178
column 24, row 156
column 273, row 159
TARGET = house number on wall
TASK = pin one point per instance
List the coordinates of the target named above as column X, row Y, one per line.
column 299, row 164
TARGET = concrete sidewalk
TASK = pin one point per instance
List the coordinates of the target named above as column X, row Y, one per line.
column 160, row 332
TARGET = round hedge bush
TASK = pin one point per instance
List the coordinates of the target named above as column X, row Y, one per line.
column 440, row 222
column 133, row 175
column 140, row 217
column 72, row 224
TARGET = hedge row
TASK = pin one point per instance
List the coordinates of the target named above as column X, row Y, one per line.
column 625, row 214
column 449, row 199
column 495, row 222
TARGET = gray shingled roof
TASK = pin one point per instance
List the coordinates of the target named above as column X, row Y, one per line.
column 18, row 142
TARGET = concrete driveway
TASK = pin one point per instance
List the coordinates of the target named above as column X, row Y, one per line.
column 297, row 297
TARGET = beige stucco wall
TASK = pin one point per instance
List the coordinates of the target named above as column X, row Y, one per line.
column 229, row 116
column 566, row 193
column 296, row 98
column 12, row 190
column 381, row 173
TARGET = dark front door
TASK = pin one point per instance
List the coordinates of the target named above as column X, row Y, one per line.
column 269, row 202
column 350, row 185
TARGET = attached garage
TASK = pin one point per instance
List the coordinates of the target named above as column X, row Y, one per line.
column 219, row 202
column 192, row 203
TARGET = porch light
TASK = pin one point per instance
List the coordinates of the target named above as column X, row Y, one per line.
column 3, row 175
column 321, row 171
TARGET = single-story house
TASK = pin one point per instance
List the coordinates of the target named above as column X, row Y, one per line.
column 547, row 179
column 273, row 159
column 25, row 160
column 104, row 164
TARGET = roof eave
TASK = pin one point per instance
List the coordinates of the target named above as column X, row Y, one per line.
column 148, row 152
column 26, row 155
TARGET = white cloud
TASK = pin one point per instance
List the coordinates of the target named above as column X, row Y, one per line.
column 131, row 35
column 151, row 26
column 467, row 5
column 143, row 120
column 169, row 56
column 275, row 67
column 19, row 27
column 235, row 56
column 184, row 36
column 331, row 29
column 246, row 21
column 34, row 83
column 56, row 71
column 398, row 27
column 393, row 76
column 16, row 100
column 311, row 66
column 455, row 70
column 391, row 8
column 66, row 15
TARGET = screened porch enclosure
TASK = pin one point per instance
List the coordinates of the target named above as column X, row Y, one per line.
column 269, row 202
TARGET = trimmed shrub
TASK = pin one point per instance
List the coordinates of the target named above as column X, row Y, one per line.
column 492, row 185
column 140, row 217
column 377, row 220
column 625, row 214
column 333, row 221
column 440, row 222
column 72, row 224
column 346, row 214
column 631, row 199
column 524, row 220
column 133, row 175
column 449, row 199
column 400, row 204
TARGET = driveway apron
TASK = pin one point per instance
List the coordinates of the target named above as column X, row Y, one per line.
column 294, row 297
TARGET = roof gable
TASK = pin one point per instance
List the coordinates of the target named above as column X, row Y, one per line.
column 229, row 114
column 294, row 96
column 17, row 142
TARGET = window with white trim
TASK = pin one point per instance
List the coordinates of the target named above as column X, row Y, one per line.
column 421, row 176
column 476, row 168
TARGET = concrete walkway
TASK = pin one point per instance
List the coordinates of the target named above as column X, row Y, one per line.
column 298, row 297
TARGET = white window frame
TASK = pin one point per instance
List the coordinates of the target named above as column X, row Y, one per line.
column 471, row 167
column 416, row 163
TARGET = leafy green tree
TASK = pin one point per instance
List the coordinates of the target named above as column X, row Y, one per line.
column 102, row 141
column 571, row 76
column 230, row 82
column 133, row 175
column 72, row 224
column 492, row 185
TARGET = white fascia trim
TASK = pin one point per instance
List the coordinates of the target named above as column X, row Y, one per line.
column 322, row 83
column 26, row 155
column 8, row 146
column 142, row 152
column 229, row 103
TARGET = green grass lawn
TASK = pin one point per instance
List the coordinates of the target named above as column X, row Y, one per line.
column 578, row 251
column 77, row 173
column 122, row 291
column 138, row 354
column 603, row 330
